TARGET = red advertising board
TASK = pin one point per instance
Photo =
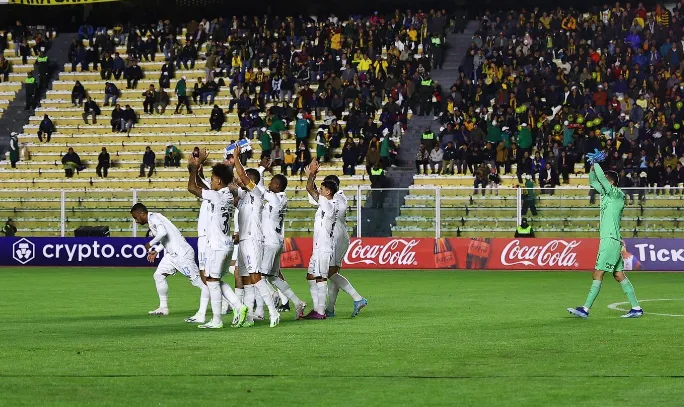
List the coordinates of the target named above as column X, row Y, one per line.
column 455, row 253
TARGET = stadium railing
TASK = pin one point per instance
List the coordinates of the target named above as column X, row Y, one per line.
column 419, row 211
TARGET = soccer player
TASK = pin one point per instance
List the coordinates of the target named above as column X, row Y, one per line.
column 202, row 222
column 273, row 222
column 324, row 227
column 219, row 239
column 609, row 258
column 251, row 242
column 179, row 256
column 336, row 281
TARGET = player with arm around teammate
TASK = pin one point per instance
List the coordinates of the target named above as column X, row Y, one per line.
column 609, row 259
column 179, row 255
column 273, row 223
column 251, row 242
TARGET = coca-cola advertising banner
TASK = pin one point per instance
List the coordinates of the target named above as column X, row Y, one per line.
column 372, row 253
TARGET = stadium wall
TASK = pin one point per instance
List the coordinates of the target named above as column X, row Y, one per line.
column 371, row 253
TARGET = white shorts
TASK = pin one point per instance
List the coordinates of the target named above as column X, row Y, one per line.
column 270, row 260
column 217, row 263
column 185, row 264
column 201, row 251
column 320, row 263
column 339, row 250
column 249, row 257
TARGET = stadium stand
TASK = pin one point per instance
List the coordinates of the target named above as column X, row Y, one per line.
column 559, row 84
column 367, row 100
column 19, row 48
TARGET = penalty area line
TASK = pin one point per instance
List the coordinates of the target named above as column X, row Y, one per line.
column 617, row 306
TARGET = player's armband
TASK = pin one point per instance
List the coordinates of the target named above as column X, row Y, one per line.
column 251, row 185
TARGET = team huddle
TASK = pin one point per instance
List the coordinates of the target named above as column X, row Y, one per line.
column 241, row 220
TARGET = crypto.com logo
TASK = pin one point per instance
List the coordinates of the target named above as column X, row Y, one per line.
column 23, row 251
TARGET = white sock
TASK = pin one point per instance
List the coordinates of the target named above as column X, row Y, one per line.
column 240, row 293
column 333, row 290
column 286, row 290
column 205, row 296
column 346, row 286
column 249, row 301
column 162, row 289
column 230, row 296
column 214, row 288
column 267, row 296
column 283, row 298
column 259, row 309
column 322, row 288
column 314, row 293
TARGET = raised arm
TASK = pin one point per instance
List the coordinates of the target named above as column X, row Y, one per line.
column 311, row 171
column 240, row 170
column 598, row 180
column 195, row 187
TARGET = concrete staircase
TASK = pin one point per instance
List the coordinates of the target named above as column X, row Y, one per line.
column 453, row 57
column 378, row 219
column 15, row 117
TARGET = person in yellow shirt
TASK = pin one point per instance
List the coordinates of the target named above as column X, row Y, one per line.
column 288, row 161
column 336, row 41
column 545, row 19
column 380, row 64
column 236, row 62
column 364, row 64
column 413, row 36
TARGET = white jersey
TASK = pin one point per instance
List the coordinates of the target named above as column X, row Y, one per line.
column 273, row 217
column 167, row 235
column 203, row 219
column 340, row 232
column 324, row 224
column 249, row 217
column 222, row 205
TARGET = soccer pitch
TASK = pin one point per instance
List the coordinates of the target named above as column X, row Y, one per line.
column 83, row 337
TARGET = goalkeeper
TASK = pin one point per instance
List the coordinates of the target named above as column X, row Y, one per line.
column 609, row 258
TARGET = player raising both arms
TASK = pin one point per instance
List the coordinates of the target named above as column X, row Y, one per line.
column 251, row 241
column 336, row 281
column 609, row 258
column 324, row 227
column 219, row 248
column 179, row 256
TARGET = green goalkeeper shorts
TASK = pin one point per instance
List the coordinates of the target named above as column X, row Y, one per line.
column 609, row 259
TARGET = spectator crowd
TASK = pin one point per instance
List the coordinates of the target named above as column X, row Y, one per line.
column 541, row 88
column 343, row 87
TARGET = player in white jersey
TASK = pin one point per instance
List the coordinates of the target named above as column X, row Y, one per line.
column 251, row 241
column 273, row 223
column 336, row 281
column 324, row 226
column 202, row 222
column 219, row 239
column 179, row 255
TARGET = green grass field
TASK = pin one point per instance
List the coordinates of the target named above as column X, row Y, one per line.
column 82, row 337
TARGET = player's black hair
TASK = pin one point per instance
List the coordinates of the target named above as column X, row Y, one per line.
column 282, row 181
column 613, row 176
column 331, row 185
column 333, row 178
column 223, row 172
column 139, row 207
column 253, row 175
